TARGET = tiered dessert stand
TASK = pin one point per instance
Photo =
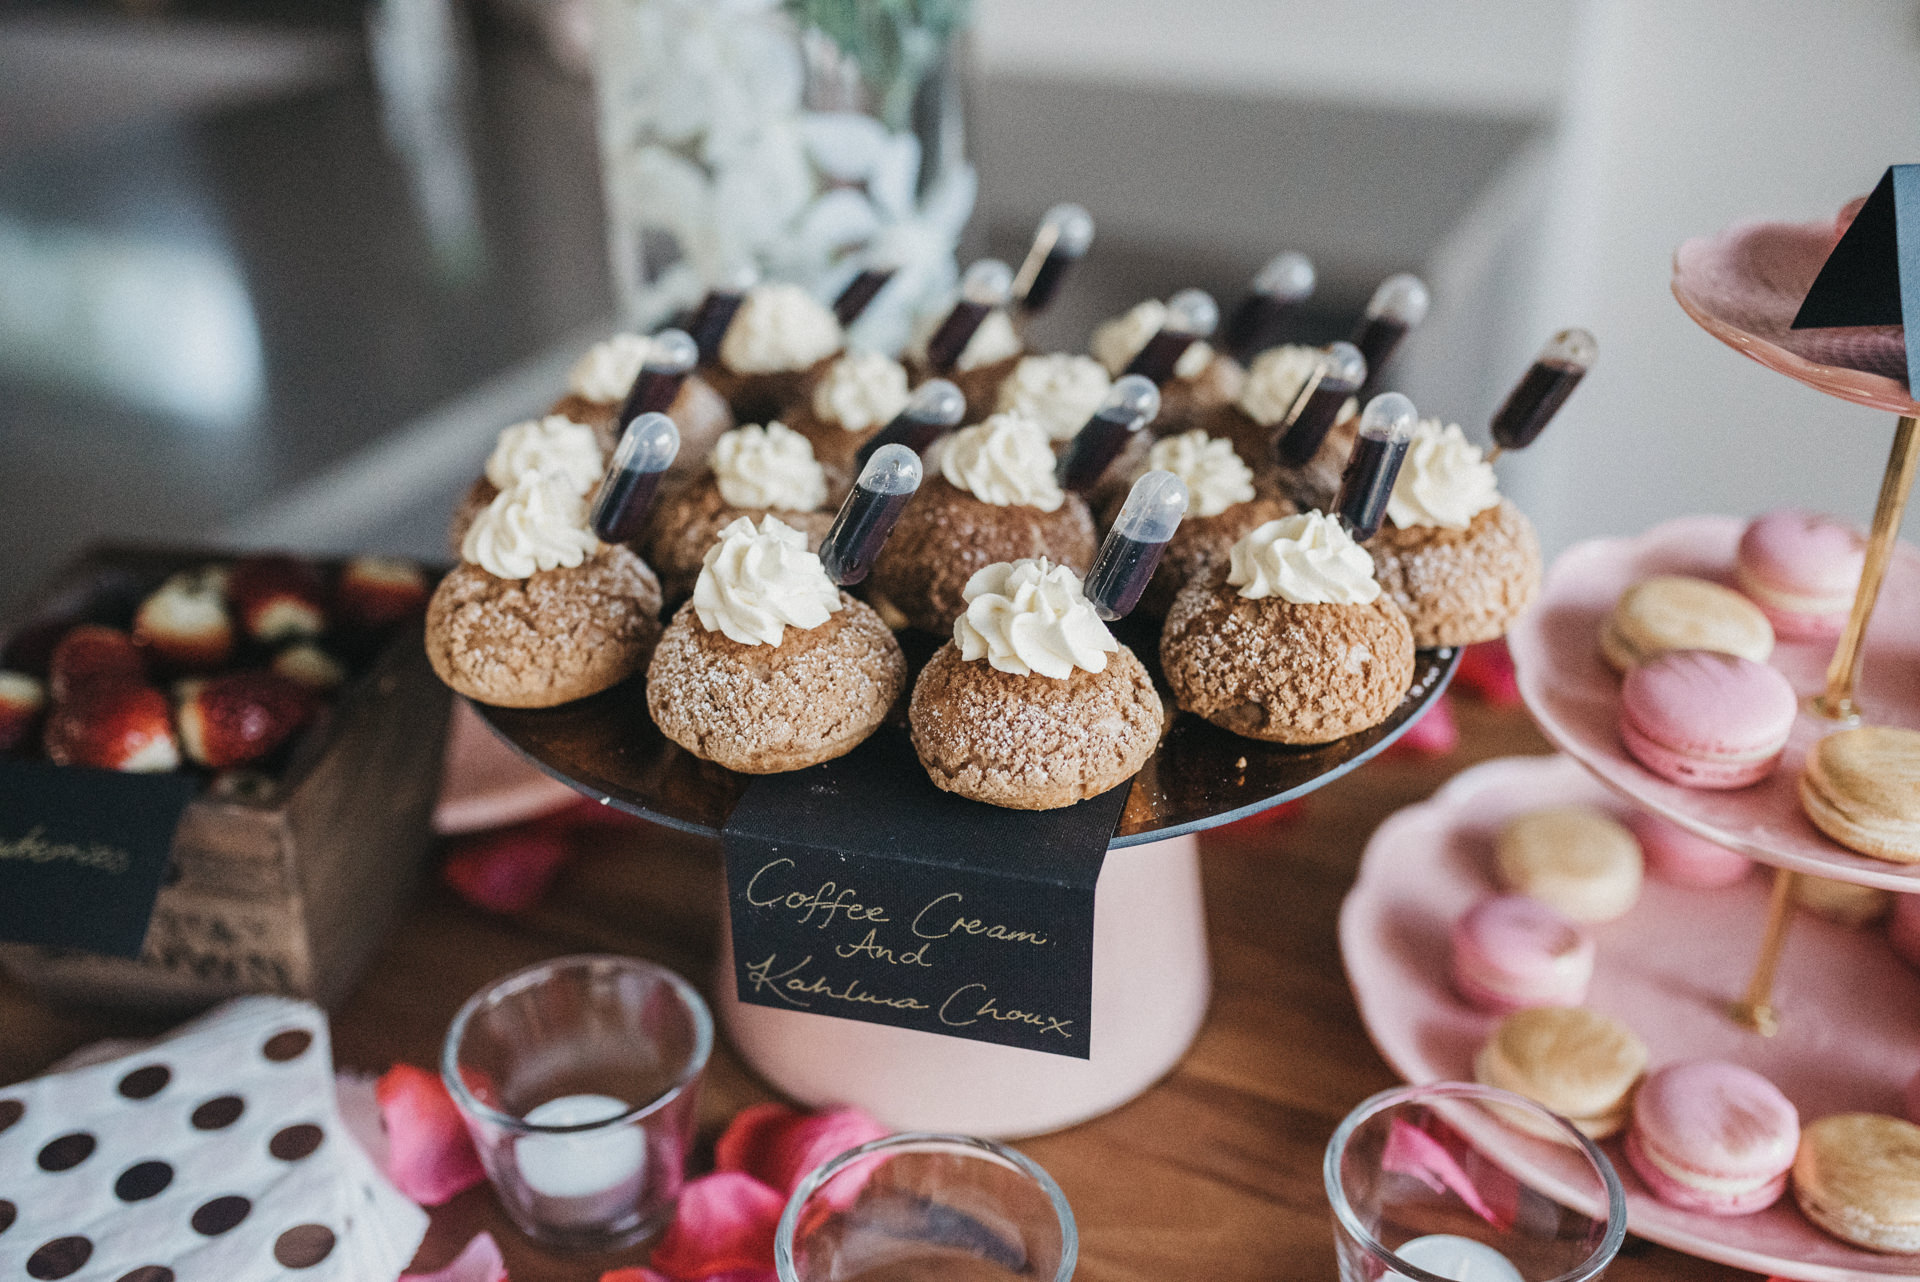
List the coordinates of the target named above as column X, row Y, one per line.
column 1846, row 1034
column 1151, row 980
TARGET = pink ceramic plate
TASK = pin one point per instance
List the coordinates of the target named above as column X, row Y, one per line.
column 1850, row 1027
column 1575, row 696
column 486, row 784
column 1744, row 286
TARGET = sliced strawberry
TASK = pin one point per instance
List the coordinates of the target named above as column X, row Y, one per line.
column 241, row 717
column 113, row 726
column 185, row 623
column 23, row 701
column 91, row 654
column 430, row 1156
column 377, row 591
column 277, row 598
column 311, row 666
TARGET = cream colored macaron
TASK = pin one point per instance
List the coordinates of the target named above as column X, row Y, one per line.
column 1576, row 1062
column 1862, row 788
column 1843, row 902
column 1857, row 1176
column 1573, row 858
column 1674, row 612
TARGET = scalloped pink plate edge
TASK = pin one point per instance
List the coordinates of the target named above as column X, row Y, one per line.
column 1575, row 696
column 1850, row 1034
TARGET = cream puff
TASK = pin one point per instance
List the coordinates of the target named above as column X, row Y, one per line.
column 857, row 395
column 1204, row 380
column 1291, row 639
column 974, row 342
column 771, row 667
column 1273, row 385
column 996, row 499
column 1459, row 559
column 1033, row 705
column 561, row 448
column 1224, row 505
column 600, row 382
column 777, row 343
column 539, row 611
column 753, row 471
column 1059, row 391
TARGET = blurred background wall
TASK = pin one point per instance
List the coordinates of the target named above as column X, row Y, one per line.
column 244, row 293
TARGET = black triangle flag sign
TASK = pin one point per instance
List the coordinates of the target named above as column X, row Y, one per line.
column 1873, row 275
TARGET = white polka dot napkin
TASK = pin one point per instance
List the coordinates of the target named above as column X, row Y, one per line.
column 216, row 1153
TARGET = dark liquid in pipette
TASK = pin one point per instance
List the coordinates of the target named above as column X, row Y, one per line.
column 1531, row 405
column 853, row 545
column 1046, row 282
column 652, row 392
column 1093, row 450
column 1163, row 351
column 1117, row 582
column 914, row 433
column 621, row 510
column 1371, row 472
column 859, row 292
column 708, row 324
column 955, row 332
column 1377, row 339
column 1254, row 326
column 1301, row 442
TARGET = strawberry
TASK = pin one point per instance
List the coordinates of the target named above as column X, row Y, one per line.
column 378, row 591
column 311, row 666
column 240, row 717
column 277, row 598
column 22, row 701
column 185, row 623
column 93, row 655
column 113, row 725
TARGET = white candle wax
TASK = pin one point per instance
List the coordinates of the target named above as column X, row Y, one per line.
column 584, row 1163
column 1460, row 1258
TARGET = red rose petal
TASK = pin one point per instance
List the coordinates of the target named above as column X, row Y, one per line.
column 813, row 1139
column 725, row 1223
column 431, row 1157
column 510, row 870
column 632, row 1275
column 1435, row 734
column 1486, row 670
column 749, row 1140
column 478, row 1261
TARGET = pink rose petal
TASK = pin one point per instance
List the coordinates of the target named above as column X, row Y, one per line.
column 510, row 870
column 749, row 1140
column 1486, row 670
column 430, row 1155
column 635, row 1274
column 478, row 1261
column 814, row 1139
column 1435, row 734
column 725, row 1224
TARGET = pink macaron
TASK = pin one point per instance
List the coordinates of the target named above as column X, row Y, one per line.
column 1802, row 570
column 1903, row 929
column 1714, row 1137
column 1706, row 720
column 1512, row 952
column 1682, row 858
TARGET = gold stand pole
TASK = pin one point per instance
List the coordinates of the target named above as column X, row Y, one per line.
column 1755, row 1010
column 1843, row 674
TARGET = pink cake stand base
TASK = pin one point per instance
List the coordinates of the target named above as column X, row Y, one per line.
column 1667, row 969
column 1575, row 696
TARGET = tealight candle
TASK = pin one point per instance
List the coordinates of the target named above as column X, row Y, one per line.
column 586, row 1177
column 1459, row 1258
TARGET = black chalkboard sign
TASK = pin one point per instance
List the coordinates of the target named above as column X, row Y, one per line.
column 859, row 890
column 82, row 853
column 1872, row 277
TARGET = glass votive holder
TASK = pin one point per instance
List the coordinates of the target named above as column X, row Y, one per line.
column 1418, row 1191
column 577, row 1079
column 918, row 1206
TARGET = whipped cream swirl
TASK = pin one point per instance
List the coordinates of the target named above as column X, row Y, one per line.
column 1306, row 559
column 1005, row 461
column 756, row 583
column 1216, row 478
column 539, row 523
column 555, row 445
column 1116, row 342
column 606, row 373
column 770, row 467
column 1274, row 382
column 1444, row 480
column 1060, row 391
column 1031, row 618
column 779, row 328
column 861, row 390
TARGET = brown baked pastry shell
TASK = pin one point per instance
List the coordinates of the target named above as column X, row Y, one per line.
column 688, row 521
column 1460, row 586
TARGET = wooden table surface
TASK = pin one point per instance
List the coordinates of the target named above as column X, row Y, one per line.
column 1214, row 1173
